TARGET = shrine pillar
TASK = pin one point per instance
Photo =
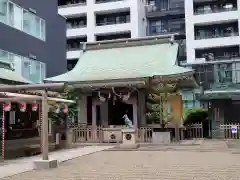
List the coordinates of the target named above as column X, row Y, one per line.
column 142, row 108
column 82, row 109
column 104, row 114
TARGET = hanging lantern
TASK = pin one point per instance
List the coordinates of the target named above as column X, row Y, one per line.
column 56, row 108
column 64, row 108
column 7, row 106
column 34, row 106
column 22, row 107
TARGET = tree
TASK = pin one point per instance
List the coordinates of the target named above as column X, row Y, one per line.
column 194, row 115
column 69, row 93
column 158, row 107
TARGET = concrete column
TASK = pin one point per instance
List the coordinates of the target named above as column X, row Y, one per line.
column 104, row 113
column 69, row 138
column 190, row 40
column 91, row 21
column 82, row 109
column 44, row 126
column 238, row 5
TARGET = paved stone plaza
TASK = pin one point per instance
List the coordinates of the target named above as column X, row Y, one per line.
column 146, row 165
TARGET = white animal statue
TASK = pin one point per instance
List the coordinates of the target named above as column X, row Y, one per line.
column 127, row 121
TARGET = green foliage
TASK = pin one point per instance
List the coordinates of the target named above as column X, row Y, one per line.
column 158, row 110
column 194, row 115
column 68, row 93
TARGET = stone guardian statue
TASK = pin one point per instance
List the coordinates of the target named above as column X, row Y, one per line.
column 127, row 121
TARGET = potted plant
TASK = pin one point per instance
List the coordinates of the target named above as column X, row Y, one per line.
column 159, row 112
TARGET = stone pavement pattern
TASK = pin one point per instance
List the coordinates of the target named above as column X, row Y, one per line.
column 143, row 165
column 21, row 165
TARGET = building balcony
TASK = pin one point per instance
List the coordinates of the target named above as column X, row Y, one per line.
column 127, row 20
column 112, row 18
column 221, row 17
column 219, row 78
column 76, row 32
column 113, row 28
column 215, row 42
column 74, row 46
column 73, row 53
column 159, row 30
column 152, row 11
column 73, row 10
column 211, row 35
column 112, row 6
column 217, row 55
column 71, row 3
column 209, row 9
column 105, row 1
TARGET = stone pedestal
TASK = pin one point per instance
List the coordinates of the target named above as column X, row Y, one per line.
column 161, row 137
column 45, row 164
column 112, row 135
column 129, row 139
column 69, row 138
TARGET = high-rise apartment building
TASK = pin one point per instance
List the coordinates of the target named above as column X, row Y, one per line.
column 98, row 20
column 212, row 39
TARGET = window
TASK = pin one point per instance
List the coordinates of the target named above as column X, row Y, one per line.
column 11, row 14
column 3, row 11
column 26, row 68
column 164, row 5
column 15, row 16
column 35, row 71
column 43, row 71
column 43, row 30
column 28, row 22
column 3, row 55
column 37, row 21
column 21, row 19
column 32, row 70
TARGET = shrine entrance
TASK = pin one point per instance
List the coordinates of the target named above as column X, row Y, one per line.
column 117, row 109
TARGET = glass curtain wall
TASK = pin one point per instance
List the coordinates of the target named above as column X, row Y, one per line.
column 22, row 19
column 33, row 70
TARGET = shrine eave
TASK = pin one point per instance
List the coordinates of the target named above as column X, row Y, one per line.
column 138, row 83
column 120, row 63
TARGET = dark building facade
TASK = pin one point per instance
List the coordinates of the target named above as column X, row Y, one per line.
column 33, row 37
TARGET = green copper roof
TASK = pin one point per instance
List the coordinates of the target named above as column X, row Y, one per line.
column 124, row 63
column 12, row 76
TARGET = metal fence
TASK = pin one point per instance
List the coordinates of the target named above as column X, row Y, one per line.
column 230, row 131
